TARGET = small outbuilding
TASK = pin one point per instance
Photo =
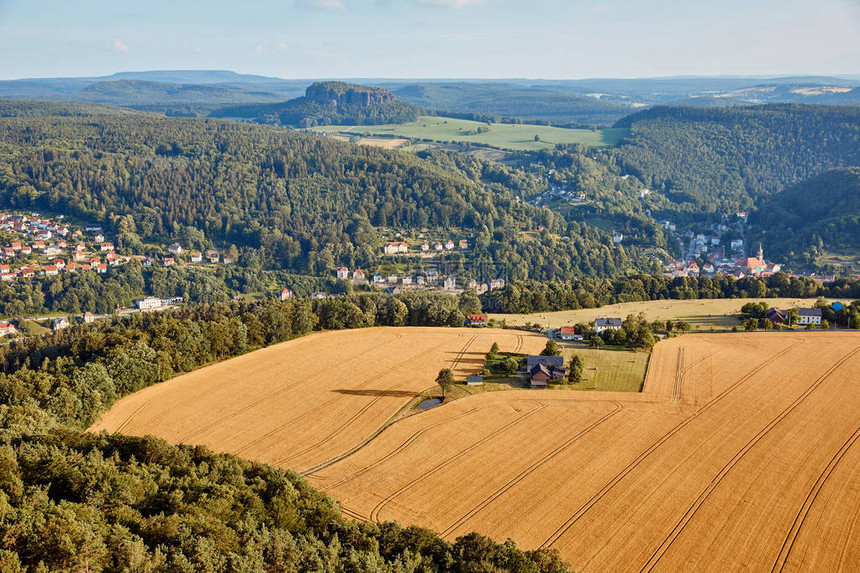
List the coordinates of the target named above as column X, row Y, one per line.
column 474, row 380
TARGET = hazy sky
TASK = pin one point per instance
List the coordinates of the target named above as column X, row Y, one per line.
column 431, row 38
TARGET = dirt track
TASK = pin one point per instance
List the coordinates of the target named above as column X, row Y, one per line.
column 741, row 454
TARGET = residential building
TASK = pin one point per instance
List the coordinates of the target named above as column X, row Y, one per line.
column 175, row 248
column 7, row 328
column 449, row 244
column 148, row 303
column 777, row 316
column 358, row 276
column 395, row 248
column 568, row 333
column 602, row 324
column 464, row 244
column 341, row 273
column 196, row 257
column 450, row 283
column 286, row 294
column 476, row 320
column 60, row 323
column 809, row 316
column 474, row 380
column 106, row 247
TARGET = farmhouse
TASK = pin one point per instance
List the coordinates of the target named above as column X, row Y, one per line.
column 541, row 374
column 568, row 333
column 777, row 316
column 534, row 359
column 602, row 324
column 809, row 316
column 395, row 248
column 476, row 320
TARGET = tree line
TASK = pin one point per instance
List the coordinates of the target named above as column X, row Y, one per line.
column 75, row 501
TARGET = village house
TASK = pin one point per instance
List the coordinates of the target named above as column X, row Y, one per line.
column 60, row 323
column 88, row 317
column 99, row 238
column 450, row 283
column 438, row 246
column 4, row 269
column 449, row 245
column 105, row 247
column 358, row 277
column 341, row 273
column 406, row 280
column 602, row 324
column 542, row 369
column 27, row 272
column 425, row 246
column 101, row 268
column 16, row 246
column 7, row 328
column 777, row 316
column 395, row 248
column 476, row 320
column 169, row 262
column 175, row 248
column 464, row 244
column 286, row 294
column 196, row 257
column 617, row 238
column 497, row 284
column 60, row 263
column 26, row 250
column 51, row 270
column 809, row 316
column 227, row 260
column 392, row 279
column 568, row 333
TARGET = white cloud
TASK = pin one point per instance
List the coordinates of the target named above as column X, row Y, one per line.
column 330, row 5
column 119, row 46
column 450, row 3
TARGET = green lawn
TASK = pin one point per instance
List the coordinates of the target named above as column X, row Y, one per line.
column 609, row 369
column 506, row 136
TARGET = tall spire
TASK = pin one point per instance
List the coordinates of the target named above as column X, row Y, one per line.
column 760, row 253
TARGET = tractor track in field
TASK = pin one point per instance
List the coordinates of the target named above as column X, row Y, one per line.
column 530, row 469
column 577, row 515
column 374, row 513
column 800, row 518
column 715, row 482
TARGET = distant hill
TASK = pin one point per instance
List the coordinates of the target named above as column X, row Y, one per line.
column 329, row 103
column 133, row 93
column 816, row 216
column 494, row 100
column 719, row 160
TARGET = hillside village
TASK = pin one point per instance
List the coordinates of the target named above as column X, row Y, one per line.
column 41, row 246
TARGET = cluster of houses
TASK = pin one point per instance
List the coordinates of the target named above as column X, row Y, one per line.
column 735, row 264
column 56, row 248
column 212, row 256
column 154, row 303
column 431, row 279
column 401, row 247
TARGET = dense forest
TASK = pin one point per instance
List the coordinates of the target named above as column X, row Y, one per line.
column 817, row 216
column 721, row 160
column 304, row 203
column 73, row 501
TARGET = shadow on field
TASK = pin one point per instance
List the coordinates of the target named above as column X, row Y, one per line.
column 392, row 393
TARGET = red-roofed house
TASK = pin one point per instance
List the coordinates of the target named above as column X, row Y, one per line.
column 476, row 320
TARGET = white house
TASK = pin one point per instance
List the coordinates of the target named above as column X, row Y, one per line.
column 175, row 248
column 450, row 283
column 395, row 248
column 602, row 324
column 342, row 272
column 148, row 303
column 809, row 316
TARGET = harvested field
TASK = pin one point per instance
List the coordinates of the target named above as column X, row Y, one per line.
column 308, row 400
column 702, row 314
column 741, row 454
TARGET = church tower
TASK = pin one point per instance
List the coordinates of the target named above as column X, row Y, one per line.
column 760, row 253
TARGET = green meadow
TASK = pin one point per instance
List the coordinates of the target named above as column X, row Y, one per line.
column 519, row 137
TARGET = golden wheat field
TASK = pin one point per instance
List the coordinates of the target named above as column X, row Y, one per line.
column 740, row 454
column 306, row 401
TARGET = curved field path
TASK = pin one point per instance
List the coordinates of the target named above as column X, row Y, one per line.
column 303, row 402
column 742, row 453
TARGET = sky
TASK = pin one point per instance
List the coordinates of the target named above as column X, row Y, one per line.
column 553, row 39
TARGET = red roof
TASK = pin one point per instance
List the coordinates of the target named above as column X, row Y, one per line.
column 477, row 318
column 568, row 330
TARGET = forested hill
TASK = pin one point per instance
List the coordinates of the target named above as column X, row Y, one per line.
column 817, row 216
column 303, row 202
column 329, row 103
column 724, row 159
